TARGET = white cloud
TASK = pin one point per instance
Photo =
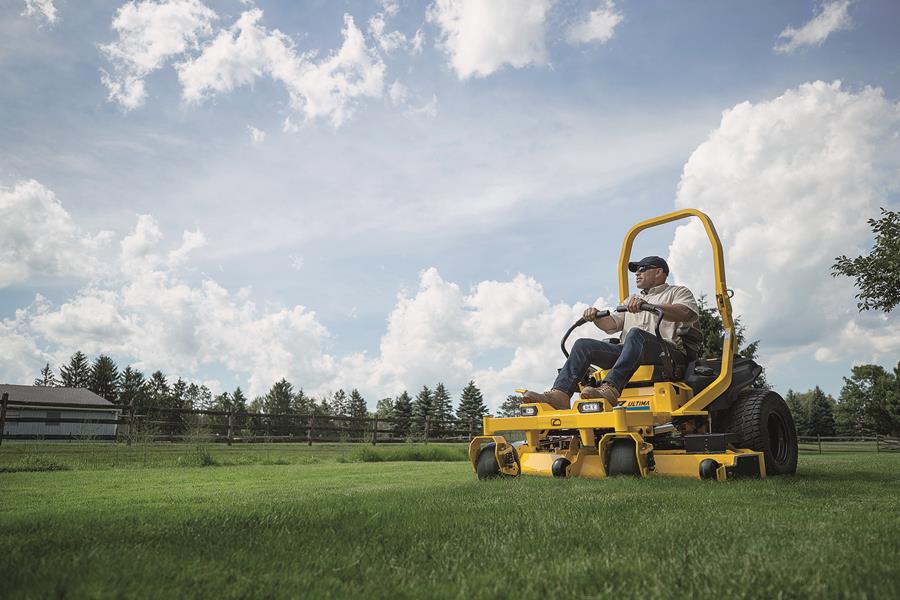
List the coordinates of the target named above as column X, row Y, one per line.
column 832, row 17
column 440, row 333
column 257, row 136
column 481, row 37
column 391, row 41
column 789, row 184
column 149, row 34
column 246, row 51
column 39, row 239
column 141, row 309
column 40, row 9
column 599, row 26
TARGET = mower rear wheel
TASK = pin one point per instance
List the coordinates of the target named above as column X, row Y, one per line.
column 763, row 422
column 623, row 458
column 486, row 466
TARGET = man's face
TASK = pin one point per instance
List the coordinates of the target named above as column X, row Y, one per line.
column 649, row 277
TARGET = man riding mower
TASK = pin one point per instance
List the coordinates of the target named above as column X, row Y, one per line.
column 653, row 406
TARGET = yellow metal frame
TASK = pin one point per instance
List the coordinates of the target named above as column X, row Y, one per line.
column 641, row 410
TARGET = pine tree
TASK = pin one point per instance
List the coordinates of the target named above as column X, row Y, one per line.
column 301, row 404
column 799, row 411
column 443, row 409
column 47, row 378
column 132, row 391
column 239, row 408
column 510, row 406
column 278, row 402
column 339, row 406
column 357, row 405
column 177, row 395
column 423, row 408
column 192, row 397
column 158, row 390
column 402, row 414
column 105, row 378
column 77, row 374
column 821, row 413
column 471, row 406
column 358, row 409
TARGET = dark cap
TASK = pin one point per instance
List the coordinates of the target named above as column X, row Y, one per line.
column 650, row 261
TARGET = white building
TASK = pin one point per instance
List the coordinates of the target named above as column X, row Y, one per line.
column 51, row 403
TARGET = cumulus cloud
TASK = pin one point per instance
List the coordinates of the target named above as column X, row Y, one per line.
column 41, row 10
column 247, row 50
column 440, row 333
column 149, row 34
column 599, row 26
column 144, row 310
column 39, row 239
column 789, row 184
column 391, row 41
column 833, row 16
column 481, row 37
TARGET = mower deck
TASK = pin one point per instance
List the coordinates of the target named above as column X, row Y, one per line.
column 572, row 443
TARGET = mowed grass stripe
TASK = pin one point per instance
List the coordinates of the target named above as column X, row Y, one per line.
column 430, row 529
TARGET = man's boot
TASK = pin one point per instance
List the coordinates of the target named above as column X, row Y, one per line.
column 558, row 399
column 606, row 391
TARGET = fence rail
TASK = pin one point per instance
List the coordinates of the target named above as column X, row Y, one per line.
column 822, row 444
column 185, row 424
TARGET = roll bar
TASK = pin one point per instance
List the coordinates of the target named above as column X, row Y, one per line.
column 723, row 302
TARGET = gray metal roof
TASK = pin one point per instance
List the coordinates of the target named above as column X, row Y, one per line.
column 52, row 395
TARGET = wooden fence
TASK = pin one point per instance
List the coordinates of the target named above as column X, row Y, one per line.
column 821, row 444
column 181, row 424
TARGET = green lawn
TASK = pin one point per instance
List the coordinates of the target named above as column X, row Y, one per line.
column 317, row 527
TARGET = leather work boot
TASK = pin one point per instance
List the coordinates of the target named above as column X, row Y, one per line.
column 558, row 399
column 606, row 391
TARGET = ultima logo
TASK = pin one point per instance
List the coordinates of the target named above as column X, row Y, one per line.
column 638, row 403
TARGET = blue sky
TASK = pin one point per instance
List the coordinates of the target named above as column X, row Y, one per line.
column 437, row 198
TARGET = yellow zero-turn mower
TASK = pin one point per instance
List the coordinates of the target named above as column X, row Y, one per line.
column 702, row 421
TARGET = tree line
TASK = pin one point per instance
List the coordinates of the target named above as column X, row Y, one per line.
column 130, row 388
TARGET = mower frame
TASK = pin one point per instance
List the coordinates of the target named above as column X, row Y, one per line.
column 580, row 441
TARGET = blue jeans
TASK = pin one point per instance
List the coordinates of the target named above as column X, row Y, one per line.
column 638, row 348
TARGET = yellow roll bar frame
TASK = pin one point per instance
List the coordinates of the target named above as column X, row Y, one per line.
column 723, row 301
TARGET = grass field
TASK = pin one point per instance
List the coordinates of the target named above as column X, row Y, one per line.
column 291, row 521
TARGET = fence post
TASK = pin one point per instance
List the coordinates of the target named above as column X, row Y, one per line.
column 877, row 443
column 130, row 421
column 3, row 402
column 375, row 430
column 230, row 415
column 471, row 429
column 426, row 429
column 819, row 438
column 310, row 420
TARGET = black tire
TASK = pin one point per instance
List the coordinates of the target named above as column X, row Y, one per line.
column 623, row 458
column 763, row 422
column 486, row 466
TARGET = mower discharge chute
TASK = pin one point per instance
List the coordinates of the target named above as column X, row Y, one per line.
column 703, row 421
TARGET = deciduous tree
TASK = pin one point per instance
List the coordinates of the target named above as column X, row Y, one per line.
column 876, row 273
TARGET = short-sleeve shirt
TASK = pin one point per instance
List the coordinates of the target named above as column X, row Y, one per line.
column 661, row 294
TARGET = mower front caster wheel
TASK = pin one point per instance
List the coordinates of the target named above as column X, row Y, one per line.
column 623, row 458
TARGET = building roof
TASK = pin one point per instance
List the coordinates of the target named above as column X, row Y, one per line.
column 52, row 395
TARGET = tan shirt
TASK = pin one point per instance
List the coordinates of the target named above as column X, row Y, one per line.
column 661, row 294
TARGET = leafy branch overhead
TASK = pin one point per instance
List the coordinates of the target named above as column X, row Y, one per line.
column 876, row 274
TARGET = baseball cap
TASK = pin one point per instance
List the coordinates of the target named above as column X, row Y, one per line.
column 649, row 261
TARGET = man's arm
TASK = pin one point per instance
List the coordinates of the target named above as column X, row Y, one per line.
column 609, row 324
column 677, row 312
